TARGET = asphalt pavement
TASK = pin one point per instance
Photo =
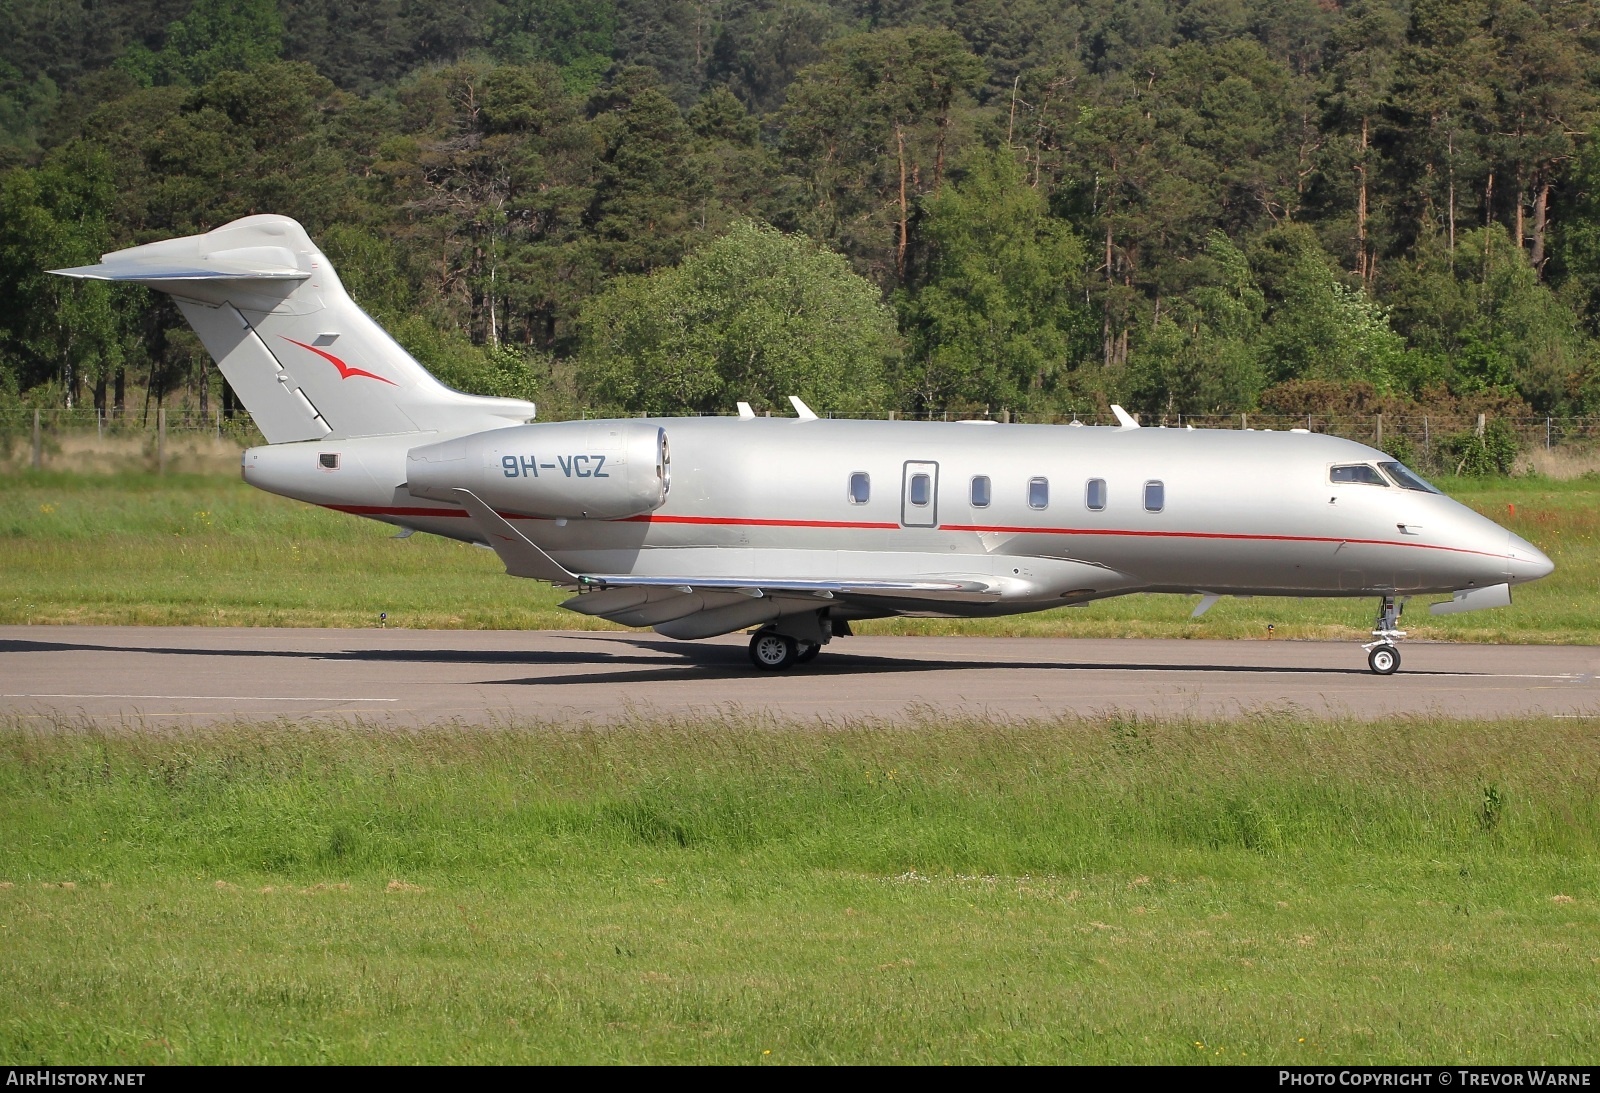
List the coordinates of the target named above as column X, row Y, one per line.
column 169, row 676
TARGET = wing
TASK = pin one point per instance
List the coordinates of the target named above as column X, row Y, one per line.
column 719, row 604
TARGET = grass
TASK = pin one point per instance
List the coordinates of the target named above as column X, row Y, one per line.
column 209, row 550
column 1272, row 890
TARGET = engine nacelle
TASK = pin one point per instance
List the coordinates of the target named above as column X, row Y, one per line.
column 597, row 470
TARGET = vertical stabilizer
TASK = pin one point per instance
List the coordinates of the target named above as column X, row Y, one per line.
column 302, row 357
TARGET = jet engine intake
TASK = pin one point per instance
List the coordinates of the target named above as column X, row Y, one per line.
column 596, row 470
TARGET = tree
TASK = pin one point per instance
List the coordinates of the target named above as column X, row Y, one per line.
column 755, row 315
column 869, row 130
column 645, row 192
column 1318, row 327
column 1365, row 49
column 66, row 333
column 998, row 317
column 577, row 36
column 1496, row 327
column 497, row 175
column 214, row 36
column 1202, row 356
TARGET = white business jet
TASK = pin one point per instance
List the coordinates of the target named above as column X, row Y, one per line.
column 796, row 526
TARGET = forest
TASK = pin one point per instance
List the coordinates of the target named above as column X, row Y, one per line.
column 925, row 207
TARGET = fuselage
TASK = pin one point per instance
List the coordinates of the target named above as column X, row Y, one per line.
column 1050, row 514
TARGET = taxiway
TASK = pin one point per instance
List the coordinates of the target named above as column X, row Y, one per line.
column 196, row 676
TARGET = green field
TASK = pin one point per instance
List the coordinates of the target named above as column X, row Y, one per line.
column 1271, row 890
column 1263, row 891
column 203, row 550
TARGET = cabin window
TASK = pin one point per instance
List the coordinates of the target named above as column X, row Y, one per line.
column 329, row 460
column 1094, row 494
column 1406, row 479
column 860, row 488
column 980, row 492
column 921, row 490
column 1356, row 472
column 1155, row 497
column 1038, row 493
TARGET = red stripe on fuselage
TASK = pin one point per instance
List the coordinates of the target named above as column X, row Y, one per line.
column 735, row 521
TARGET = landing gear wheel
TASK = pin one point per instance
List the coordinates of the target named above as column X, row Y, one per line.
column 772, row 652
column 1384, row 660
column 808, row 652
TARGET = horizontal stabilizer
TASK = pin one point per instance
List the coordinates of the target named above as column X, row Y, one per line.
column 248, row 264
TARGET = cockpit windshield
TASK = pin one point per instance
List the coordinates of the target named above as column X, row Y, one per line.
column 1405, row 479
column 1356, row 472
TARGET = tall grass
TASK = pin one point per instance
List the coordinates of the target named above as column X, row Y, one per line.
column 971, row 796
column 1116, row 889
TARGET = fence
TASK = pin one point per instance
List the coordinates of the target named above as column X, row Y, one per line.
column 39, row 435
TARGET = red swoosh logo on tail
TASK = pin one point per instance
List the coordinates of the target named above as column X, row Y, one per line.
column 345, row 371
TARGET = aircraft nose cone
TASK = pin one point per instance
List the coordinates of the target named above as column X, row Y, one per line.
column 1527, row 562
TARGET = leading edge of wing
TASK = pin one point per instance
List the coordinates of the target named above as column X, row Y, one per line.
column 935, row 587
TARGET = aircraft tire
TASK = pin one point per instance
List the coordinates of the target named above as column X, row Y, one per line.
column 808, row 652
column 772, row 652
column 1384, row 660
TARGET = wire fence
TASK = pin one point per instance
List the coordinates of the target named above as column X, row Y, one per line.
column 38, row 434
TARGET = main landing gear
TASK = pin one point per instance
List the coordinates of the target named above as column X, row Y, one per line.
column 774, row 652
column 771, row 651
column 1383, row 657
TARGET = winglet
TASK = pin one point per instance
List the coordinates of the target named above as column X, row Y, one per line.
column 1125, row 420
column 521, row 557
column 802, row 411
column 745, row 412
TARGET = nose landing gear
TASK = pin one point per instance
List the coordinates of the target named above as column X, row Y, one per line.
column 1382, row 655
column 1384, row 659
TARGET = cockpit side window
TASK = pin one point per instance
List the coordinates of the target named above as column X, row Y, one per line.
column 1406, row 479
column 1356, row 472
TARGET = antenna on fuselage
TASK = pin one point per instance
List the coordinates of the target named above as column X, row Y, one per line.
column 745, row 412
column 802, row 411
column 1125, row 420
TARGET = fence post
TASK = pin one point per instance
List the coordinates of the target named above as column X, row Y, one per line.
column 1482, row 419
column 1427, row 448
column 161, row 440
column 1244, row 421
column 99, row 424
column 38, row 444
column 1379, row 444
column 1547, row 432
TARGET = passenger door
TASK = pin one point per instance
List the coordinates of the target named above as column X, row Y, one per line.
column 919, row 495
